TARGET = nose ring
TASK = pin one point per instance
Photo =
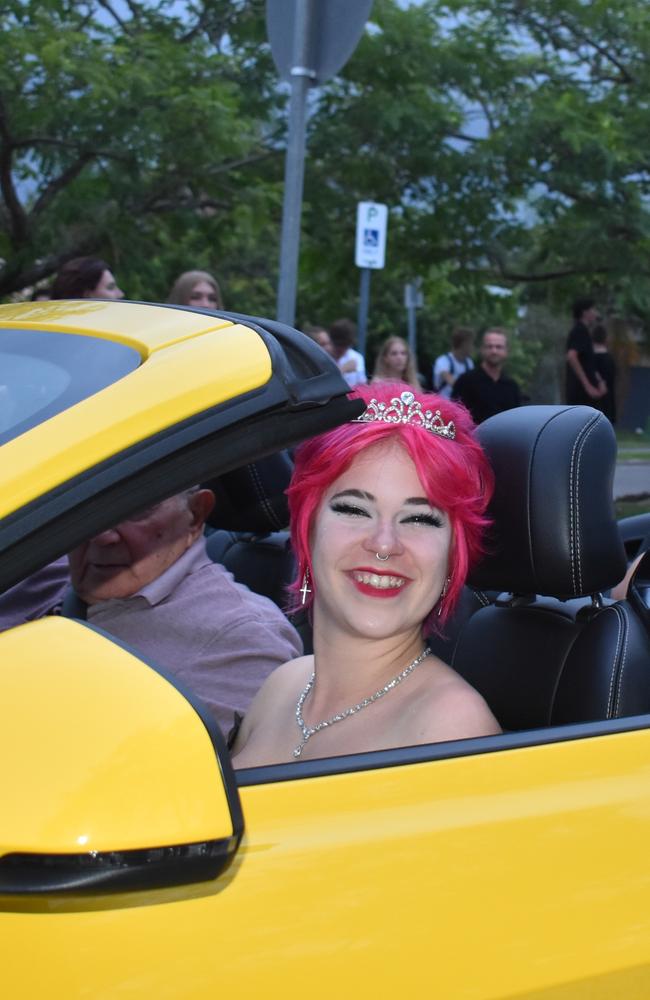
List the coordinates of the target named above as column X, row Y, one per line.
column 382, row 558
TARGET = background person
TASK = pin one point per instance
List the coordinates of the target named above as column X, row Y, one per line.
column 196, row 288
column 85, row 278
column 606, row 368
column 150, row 583
column 320, row 336
column 386, row 518
column 487, row 390
column 343, row 334
column 584, row 386
column 456, row 362
column 396, row 363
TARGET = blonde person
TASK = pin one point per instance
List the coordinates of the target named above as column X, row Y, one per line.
column 395, row 362
column 196, row 288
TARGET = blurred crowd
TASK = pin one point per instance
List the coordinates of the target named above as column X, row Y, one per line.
column 475, row 376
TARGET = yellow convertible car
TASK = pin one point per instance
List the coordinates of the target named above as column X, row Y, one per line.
column 134, row 862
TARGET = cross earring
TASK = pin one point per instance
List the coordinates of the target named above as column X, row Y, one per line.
column 305, row 589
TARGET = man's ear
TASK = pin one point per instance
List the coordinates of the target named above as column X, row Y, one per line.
column 200, row 504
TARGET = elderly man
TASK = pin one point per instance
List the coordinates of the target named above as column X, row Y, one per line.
column 150, row 583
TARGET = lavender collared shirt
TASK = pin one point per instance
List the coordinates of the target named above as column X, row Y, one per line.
column 214, row 634
column 37, row 595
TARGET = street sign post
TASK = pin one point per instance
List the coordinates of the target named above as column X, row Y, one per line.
column 413, row 299
column 372, row 222
column 369, row 255
column 333, row 30
column 310, row 41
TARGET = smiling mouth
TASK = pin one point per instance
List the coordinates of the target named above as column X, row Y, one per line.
column 380, row 582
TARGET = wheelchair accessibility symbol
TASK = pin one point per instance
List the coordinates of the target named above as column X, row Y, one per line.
column 370, row 240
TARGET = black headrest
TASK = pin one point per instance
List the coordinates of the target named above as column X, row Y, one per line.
column 554, row 530
column 253, row 498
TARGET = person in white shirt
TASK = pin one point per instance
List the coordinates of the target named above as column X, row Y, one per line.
column 449, row 366
column 351, row 363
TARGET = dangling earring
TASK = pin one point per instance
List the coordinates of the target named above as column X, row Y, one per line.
column 445, row 588
column 305, row 589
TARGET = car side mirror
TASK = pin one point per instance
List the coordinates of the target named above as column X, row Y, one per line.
column 113, row 780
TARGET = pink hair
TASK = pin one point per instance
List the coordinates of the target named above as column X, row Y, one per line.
column 456, row 477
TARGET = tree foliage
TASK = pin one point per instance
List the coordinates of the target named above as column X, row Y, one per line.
column 129, row 134
column 509, row 140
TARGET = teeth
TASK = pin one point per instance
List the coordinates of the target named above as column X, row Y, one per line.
column 380, row 582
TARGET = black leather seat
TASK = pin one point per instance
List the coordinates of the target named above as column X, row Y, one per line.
column 249, row 523
column 262, row 561
column 639, row 589
column 253, row 498
column 550, row 650
column 635, row 532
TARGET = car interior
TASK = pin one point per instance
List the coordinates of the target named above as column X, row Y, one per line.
column 535, row 630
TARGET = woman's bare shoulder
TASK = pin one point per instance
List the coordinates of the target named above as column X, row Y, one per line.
column 457, row 710
column 280, row 685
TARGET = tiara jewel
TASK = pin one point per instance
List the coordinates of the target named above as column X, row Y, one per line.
column 405, row 409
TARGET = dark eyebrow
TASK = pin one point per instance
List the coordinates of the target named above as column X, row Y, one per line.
column 359, row 494
column 362, row 495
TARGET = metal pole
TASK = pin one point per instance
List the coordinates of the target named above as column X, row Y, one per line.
column 410, row 313
column 301, row 77
column 362, row 318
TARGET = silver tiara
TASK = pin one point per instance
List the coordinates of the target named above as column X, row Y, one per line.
column 405, row 409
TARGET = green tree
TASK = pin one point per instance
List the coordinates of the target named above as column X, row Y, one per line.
column 137, row 135
column 507, row 138
column 567, row 133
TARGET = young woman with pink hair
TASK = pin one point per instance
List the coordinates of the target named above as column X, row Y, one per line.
column 387, row 516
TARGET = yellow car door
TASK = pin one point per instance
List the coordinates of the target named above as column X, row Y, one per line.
column 520, row 871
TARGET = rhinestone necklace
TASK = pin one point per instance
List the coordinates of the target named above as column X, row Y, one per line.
column 309, row 731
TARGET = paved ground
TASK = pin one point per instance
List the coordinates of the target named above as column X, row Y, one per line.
column 631, row 479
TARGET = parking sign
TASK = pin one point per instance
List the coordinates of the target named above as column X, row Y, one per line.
column 372, row 220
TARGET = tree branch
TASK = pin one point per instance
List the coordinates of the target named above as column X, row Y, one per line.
column 30, row 141
column 524, row 277
column 577, row 36
column 59, row 183
column 465, row 138
column 626, row 76
column 116, row 17
column 13, row 278
column 15, row 212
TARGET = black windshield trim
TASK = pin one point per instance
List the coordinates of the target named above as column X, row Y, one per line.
column 430, row 752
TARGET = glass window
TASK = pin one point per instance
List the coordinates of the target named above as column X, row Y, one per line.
column 43, row 373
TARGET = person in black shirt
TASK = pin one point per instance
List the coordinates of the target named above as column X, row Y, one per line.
column 486, row 390
column 606, row 368
column 584, row 386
